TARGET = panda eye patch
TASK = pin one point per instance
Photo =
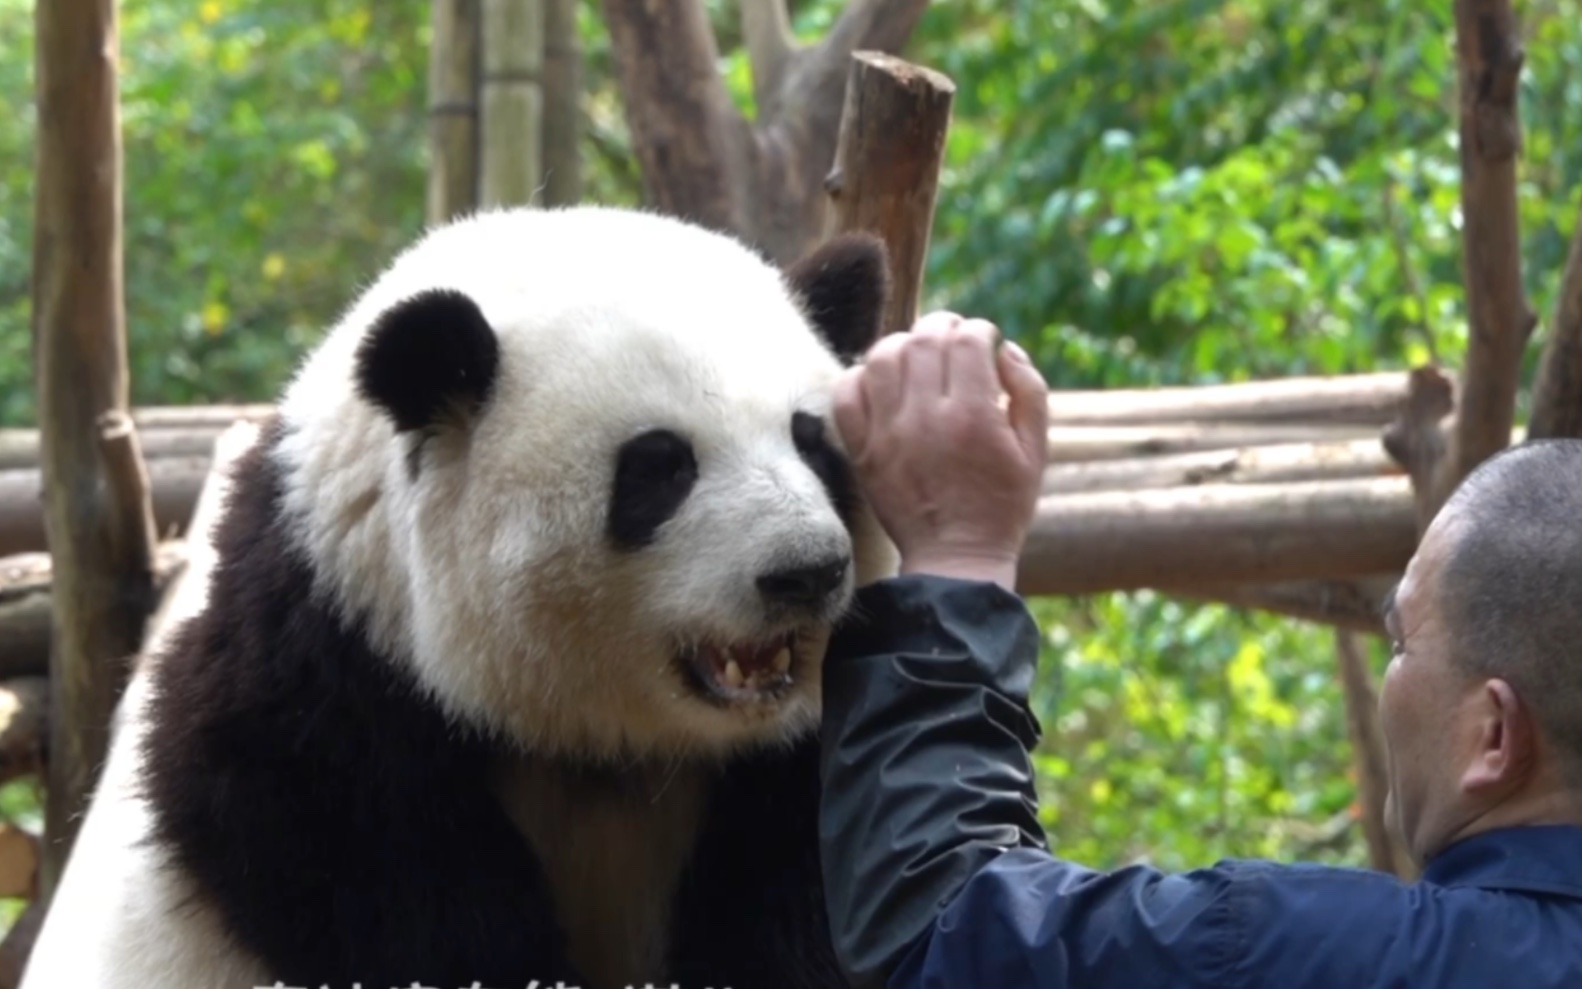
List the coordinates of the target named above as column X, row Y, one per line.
column 654, row 473
column 812, row 442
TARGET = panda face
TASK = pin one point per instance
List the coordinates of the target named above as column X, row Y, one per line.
column 577, row 470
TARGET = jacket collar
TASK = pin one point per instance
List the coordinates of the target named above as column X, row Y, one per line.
column 1535, row 859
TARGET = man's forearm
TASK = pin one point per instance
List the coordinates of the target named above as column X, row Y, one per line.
column 927, row 776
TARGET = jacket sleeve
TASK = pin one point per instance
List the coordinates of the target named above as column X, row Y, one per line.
column 935, row 865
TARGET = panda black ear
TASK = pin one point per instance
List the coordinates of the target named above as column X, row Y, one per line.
column 844, row 286
column 428, row 358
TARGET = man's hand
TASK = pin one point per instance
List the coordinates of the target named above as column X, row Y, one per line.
column 952, row 470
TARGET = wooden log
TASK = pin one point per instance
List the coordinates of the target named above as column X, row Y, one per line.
column 562, row 133
column 452, row 110
column 25, row 606
column 1218, row 534
column 1090, row 443
column 1489, row 61
column 887, row 161
column 174, row 483
column 150, row 418
column 511, row 102
column 1247, row 465
column 1557, row 394
column 187, row 591
column 1359, row 399
column 19, row 448
column 1385, row 851
column 99, row 518
column 1353, row 605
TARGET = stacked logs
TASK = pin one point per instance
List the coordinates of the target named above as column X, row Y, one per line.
column 1275, row 494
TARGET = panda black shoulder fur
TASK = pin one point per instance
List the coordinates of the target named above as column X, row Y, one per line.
column 509, row 668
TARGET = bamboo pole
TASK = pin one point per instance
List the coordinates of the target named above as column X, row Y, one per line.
column 562, row 134
column 99, row 520
column 453, row 110
column 511, row 98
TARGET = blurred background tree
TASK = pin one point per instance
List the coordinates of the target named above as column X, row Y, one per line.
column 1140, row 191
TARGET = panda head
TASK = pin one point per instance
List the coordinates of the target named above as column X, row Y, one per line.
column 578, row 470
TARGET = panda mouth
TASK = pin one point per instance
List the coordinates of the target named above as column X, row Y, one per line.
column 742, row 672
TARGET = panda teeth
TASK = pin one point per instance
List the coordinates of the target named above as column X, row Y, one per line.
column 733, row 675
column 782, row 661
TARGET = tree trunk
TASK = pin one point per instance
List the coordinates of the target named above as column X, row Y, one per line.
column 700, row 157
column 98, row 515
column 1489, row 59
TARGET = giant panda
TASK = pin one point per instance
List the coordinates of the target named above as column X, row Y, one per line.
column 508, row 671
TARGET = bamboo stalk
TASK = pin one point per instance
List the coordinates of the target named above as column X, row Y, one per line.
column 562, row 135
column 511, row 97
column 453, row 110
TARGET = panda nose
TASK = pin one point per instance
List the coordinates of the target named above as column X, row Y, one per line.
column 806, row 585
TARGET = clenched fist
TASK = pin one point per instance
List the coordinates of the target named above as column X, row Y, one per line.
column 951, row 468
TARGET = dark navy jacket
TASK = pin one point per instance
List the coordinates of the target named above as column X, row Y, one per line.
column 937, row 873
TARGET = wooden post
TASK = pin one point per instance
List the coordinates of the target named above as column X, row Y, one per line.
column 511, row 95
column 98, row 517
column 453, row 110
column 887, row 161
column 1489, row 62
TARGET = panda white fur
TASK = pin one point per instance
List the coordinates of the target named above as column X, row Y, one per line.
column 509, row 667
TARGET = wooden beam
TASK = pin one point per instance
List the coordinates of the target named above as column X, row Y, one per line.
column 1489, row 60
column 99, row 519
column 26, row 605
column 887, row 162
column 1358, row 399
column 1245, row 465
column 1069, row 444
column 1352, row 605
column 1218, row 534
column 173, row 484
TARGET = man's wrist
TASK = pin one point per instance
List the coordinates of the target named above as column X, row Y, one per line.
column 994, row 568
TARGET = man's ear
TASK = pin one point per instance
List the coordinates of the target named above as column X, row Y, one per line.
column 844, row 287
column 1507, row 740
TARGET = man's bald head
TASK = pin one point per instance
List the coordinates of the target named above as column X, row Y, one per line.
column 1511, row 588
